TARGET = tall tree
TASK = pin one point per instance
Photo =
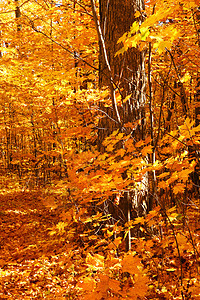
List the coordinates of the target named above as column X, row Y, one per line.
column 125, row 77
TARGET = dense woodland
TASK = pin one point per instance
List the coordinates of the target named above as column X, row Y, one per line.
column 99, row 149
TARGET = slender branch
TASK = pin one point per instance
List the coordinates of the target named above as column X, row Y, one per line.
column 100, row 35
column 105, row 113
column 184, row 100
column 195, row 25
column 150, row 94
column 161, row 106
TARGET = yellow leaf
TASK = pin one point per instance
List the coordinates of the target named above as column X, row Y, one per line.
column 152, row 213
column 182, row 240
column 163, row 175
column 122, row 39
column 61, row 226
column 183, row 175
column 172, row 209
column 173, row 216
column 109, row 233
column 49, row 202
column 129, row 146
column 139, row 220
column 140, row 143
column 102, row 285
column 144, row 33
column 95, row 262
column 113, row 262
column 186, row 77
column 121, row 51
column 146, row 150
column 140, row 288
column 157, row 165
column 179, row 188
column 173, row 177
column 120, row 136
column 127, row 98
column 110, row 148
column 137, row 14
column 121, row 152
column 135, row 27
column 141, row 285
column 117, row 241
column 186, row 128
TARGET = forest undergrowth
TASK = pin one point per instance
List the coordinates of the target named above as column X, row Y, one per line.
column 47, row 252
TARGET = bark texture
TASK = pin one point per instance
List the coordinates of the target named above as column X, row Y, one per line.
column 127, row 70
column 126, row 74
column 197, row 111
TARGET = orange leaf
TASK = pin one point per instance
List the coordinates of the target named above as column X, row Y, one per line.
column 146, row 150
column 87, row 284
column 95, row 262
column 130, row 263
column 139, row 220
column 179, row 188
column 141, row 285
column 114, row 285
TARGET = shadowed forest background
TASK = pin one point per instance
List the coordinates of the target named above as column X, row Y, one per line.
column 99, row 149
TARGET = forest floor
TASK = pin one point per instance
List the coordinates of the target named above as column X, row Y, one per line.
column 32, row 261
column 39, row 259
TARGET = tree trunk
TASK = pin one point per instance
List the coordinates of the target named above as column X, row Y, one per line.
column 124, row 74
column 127, row 70
column 17, row 15
column 197, row 111
column 194, row 152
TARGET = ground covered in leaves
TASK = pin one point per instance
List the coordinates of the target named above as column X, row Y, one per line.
column 33, row 264
column 46, row 252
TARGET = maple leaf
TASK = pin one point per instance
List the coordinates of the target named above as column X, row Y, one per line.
column 115, row 244
column 95, row 262
column 146, row 150
column 173, row 216
column 87, row 284
column 186, row 129
column 61, row 227
column 103, row 284
column 114, row 285
column 184, row 174
column 139, row 220
column 54, row 117
column 162, row 185
column 140, row 287
column 179, row 188
column 131, row 263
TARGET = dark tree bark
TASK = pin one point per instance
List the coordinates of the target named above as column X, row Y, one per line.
column 127, row 70
column 17, row 15
column 125, row 74
column 116, row 18
column 197, row 25
column 193, row 150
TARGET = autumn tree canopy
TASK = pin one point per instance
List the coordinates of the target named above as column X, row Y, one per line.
column 99, row 149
